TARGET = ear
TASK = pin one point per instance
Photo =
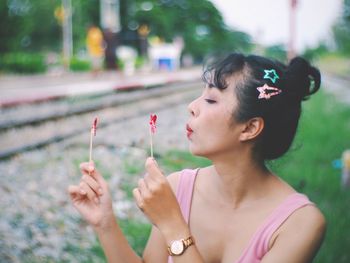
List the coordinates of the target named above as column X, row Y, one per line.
column 252, row 129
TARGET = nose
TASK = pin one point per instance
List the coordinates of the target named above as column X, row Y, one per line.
column 193, row 108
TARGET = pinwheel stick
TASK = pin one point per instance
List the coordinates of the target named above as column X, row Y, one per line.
column 152, row 130
column 92, row 134
column 151, row 141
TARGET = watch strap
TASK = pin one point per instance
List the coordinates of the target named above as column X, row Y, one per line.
column 186, row 243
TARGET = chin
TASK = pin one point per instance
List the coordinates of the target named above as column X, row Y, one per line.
column 198, row 152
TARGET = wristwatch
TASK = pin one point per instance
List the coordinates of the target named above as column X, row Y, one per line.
column 178, row 247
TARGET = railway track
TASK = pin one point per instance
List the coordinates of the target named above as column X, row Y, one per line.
column 30, row 127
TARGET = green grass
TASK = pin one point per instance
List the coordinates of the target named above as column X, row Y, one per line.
column 335, row 63
column 174, row 160
column 136, row 233
column 324, row 133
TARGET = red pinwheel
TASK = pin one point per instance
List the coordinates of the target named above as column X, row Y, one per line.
column 94, row 126
column 153, row 129
column 152, row 123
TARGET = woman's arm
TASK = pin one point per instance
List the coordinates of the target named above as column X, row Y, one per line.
column 92, row 199
column 156, row 199
column 115, row 245
column 299, row 238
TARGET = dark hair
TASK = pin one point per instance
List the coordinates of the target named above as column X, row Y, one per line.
column 281, row 112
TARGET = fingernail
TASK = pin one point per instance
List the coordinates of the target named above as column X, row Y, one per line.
column 82, row 192
column 97, row 201
column 100, row 191
column 155, row 162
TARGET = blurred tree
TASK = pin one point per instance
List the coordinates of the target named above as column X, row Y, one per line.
column 314, row 53
column 31, row 25
column 85, row 14
column 199, row 23
column 341, row 29
column 28, row 25
column 277, row 52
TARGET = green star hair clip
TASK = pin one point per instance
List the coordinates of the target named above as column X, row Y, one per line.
column 271, row 74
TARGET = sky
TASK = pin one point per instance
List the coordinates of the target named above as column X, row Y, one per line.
column 267, row 21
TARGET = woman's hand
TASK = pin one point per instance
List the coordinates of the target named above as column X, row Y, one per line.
column 91, row 197
column 157, row 201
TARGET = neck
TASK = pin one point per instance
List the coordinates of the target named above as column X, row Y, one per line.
column 239, row 181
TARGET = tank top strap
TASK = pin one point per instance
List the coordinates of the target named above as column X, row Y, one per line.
column 259, row 244
column 184, row 191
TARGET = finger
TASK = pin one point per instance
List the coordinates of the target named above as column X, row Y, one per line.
column 74, row 190
column 138, row 198
column 93, row 184
column 87, row 167
column 89, row 192
column 99, row 179
column 143, row 189
column 152, row 169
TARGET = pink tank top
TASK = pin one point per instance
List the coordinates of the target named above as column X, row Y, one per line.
column 258, row 244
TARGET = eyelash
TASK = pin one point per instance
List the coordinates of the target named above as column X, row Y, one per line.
column 210, row 101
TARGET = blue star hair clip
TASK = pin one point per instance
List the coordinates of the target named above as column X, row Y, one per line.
column 271, row 74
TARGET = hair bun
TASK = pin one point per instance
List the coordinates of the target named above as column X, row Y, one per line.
column 302, row 79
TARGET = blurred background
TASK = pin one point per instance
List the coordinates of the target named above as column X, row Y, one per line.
column 63, row 62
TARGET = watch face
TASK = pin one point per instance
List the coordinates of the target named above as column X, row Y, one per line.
column 177, row 247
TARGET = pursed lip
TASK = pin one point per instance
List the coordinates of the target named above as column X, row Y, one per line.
column 189, row 130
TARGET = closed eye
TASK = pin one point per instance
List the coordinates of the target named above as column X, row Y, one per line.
column 210, row 101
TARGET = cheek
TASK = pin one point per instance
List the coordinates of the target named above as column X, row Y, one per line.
column 215, row 137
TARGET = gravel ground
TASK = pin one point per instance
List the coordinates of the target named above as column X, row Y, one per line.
column 37, row 220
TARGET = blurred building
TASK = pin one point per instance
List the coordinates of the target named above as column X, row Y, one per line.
column 165, row 56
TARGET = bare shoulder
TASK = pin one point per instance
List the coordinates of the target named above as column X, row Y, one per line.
column 309, row 217
column 173, row 180
column 299, row 238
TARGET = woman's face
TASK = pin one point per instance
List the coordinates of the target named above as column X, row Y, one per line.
column 211, row 129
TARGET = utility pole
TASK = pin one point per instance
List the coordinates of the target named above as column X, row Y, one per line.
column 292, row 29
column 67, row 32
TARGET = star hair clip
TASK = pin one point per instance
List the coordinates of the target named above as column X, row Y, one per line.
column 266, row 92
column 271, row 75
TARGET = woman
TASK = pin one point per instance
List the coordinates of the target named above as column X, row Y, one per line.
column 236, row 210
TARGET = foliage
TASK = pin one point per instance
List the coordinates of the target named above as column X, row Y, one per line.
column 22, row 62
column 28, row 25
column 341, row 30
column 136, row 233
column 175, row 160
column 32, row 25
column 77, row 64
column 277, row 52
column 199, row 23
column 308, row 168
column 334, row 63
column 312, row 54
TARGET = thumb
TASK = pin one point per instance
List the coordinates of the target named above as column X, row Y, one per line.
column 152, row 168
column 92, row 171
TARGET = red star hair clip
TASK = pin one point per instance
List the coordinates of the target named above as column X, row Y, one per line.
column 263, row 92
